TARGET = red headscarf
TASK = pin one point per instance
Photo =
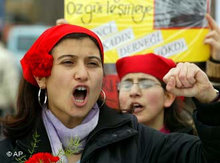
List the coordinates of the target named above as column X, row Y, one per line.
column 151, row 64
column 38, row 62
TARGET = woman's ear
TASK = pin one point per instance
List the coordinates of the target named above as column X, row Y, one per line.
column 41, row 81
column 169, row 99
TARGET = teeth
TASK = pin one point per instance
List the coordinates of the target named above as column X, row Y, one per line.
column 81, row 88
column 136, row 105
column 79, row 100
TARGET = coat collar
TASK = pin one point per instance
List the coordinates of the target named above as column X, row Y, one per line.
column 112, row 127
column 108, row 119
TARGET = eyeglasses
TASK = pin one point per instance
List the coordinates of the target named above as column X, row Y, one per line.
column 142, row 84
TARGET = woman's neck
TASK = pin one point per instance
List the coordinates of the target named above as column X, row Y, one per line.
column 158, row 122
column 67, row 121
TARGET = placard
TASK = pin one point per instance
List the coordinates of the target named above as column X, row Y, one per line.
column 172, row 28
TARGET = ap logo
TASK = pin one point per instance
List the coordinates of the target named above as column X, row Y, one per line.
column 15, row 154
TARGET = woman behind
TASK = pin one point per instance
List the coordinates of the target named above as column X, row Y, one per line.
column 59, row 111
column 175, row 115
column 143, row 93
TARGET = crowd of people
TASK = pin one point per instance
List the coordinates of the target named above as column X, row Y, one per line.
column 60, row 108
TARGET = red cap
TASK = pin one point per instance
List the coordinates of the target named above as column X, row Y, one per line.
column 38, row 62
column 151, row 64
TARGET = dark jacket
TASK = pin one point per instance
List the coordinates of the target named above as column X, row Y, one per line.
column 118, row 138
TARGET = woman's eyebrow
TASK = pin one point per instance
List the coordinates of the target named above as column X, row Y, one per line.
column 128, row 79
column 94, row 57
column 65, row 56
column 145, row 78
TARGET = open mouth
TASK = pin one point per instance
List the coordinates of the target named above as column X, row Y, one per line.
column 80, row 95
column 135, row 108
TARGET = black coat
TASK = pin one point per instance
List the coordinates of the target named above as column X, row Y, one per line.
column 118, row 138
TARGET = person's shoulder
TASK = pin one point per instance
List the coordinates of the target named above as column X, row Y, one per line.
column 6, row 149
column 5, row 144
column 4, row 141
column 8, row 153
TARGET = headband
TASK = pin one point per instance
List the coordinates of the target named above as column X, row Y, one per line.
column 38, row 62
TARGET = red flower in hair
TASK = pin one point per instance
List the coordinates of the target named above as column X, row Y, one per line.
column 41, row 64
column 43, row 158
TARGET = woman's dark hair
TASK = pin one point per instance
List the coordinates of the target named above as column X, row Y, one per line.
column 28, row 108
column 28, row 111
column 178, row 117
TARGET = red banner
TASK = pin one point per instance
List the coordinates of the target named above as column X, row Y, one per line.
column 110, row 88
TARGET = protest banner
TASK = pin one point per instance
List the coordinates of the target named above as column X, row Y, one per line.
column 171, row 28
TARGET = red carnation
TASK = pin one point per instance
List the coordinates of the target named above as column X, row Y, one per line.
column 41, row 64
column 42, row 158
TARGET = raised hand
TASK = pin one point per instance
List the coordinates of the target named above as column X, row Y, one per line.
column 213, row 38
column 61, row 21
column 188, row 80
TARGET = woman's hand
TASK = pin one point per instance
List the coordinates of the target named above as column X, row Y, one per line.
column 61, row 21
column 213, row 38
column 188, row 80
